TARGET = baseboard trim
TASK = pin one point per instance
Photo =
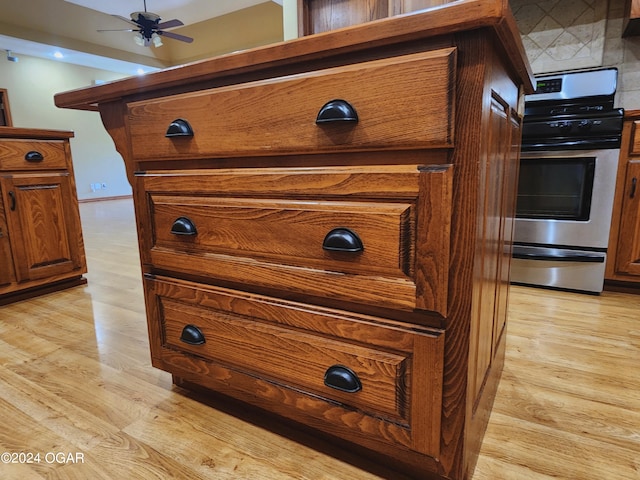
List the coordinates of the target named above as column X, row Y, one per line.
column 100, row 199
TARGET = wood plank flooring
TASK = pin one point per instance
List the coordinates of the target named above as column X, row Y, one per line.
column 76, row 381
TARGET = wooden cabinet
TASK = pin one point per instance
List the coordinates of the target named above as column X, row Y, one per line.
column 623, row 261
column 41, row 246
column 324, row 15
column 5, row 111
column 7, row 273
column 325, row 226
column 631, row 21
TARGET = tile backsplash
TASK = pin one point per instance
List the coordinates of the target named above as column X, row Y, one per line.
column 561, row 35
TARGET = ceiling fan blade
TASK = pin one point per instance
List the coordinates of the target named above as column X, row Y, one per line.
column 170, row 24
column 175, row 36
column 124, row 19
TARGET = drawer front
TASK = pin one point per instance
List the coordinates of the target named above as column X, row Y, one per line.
column 366, row 238
column 32, row 155
column 367, row 235
column 402, row 102
column 342, row 359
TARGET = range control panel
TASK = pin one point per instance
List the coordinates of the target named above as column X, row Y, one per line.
column 572, row 85
column 550, row 85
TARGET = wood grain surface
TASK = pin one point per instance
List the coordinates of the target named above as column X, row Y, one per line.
column 76, row 379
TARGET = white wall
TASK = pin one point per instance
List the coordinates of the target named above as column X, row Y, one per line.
column 290, row 19
column 31, row 84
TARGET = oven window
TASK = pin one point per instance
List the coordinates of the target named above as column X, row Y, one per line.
column 555, row 188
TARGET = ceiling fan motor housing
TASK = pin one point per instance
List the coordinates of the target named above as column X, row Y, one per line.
column 147, row 21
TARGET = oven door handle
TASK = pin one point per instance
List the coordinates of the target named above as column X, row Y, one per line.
column 557, row 255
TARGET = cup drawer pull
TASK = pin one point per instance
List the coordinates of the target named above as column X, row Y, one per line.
column 192, row 335
column 342, row 240
column 183, row 226
column 342, row 378
column 337, row 111
column 34, row 156
column 179, row 128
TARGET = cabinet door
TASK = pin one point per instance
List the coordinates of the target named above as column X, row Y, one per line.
column 43, row 222
column 6, row 260
column 628, row 256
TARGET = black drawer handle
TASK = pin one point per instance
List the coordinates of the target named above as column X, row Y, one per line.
column 34, row 156
column 337, row 111
column 183, row 226
column 179, row 128
column 12, row 198
column 192, row 335
column 634, row 181
column 343, row 379
column 342, row 240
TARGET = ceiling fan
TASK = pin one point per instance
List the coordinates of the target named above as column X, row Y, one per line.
column 149, row 28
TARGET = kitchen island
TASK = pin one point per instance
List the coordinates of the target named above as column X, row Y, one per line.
column 325, row 225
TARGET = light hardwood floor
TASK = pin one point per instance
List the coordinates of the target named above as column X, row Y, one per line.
column 75, row 379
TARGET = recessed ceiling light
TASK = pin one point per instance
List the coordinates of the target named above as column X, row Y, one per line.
column 58, row 55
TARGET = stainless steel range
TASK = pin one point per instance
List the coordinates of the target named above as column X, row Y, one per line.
column 570, row 146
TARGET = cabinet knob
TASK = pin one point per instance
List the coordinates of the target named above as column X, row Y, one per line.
column 342, row 240
column 343, row 379
column 192, row 335
column 179, row 128
column 337, row 111
column 183, row 226
column 34, row 156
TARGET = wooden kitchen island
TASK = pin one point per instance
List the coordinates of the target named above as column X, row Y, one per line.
column 325, row 225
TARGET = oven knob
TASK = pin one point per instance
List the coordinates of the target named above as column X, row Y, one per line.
column 585, row 125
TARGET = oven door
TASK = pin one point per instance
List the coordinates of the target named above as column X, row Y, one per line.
column 565, row 198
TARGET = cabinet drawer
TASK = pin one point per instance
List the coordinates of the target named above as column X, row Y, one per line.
column 357, row 362
column 402, row 102
column 369, row 238
column 32, row 155
column 367, row 235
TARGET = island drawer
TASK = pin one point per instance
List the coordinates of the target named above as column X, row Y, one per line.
column 376, row 235
column 18, row 154
column 401, row 102
column 366, row 365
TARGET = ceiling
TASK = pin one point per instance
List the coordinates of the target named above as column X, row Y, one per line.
column 189, row 11
column 41, row 28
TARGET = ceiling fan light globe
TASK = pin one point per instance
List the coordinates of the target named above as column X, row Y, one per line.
column 139, row 39
column 157, row 41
